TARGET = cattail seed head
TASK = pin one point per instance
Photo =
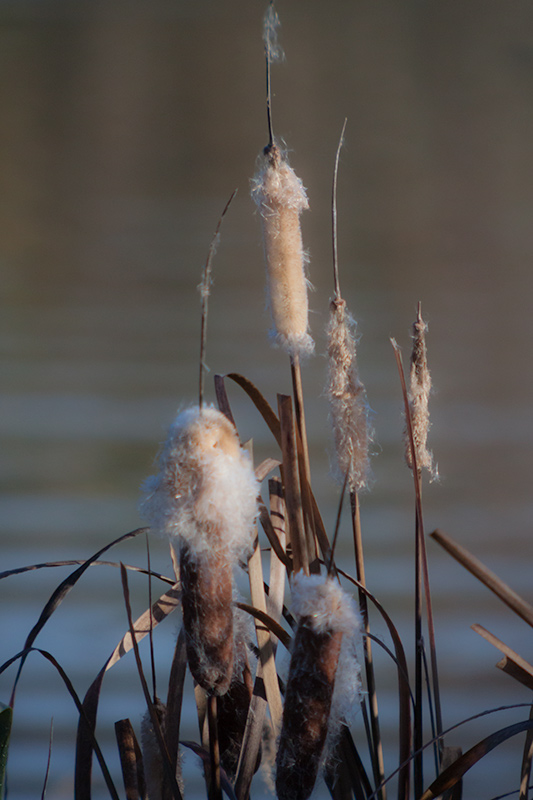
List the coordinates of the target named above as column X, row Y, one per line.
column 419, row 391
column 281, row 198
column 323, row 659
column 349, row 411
column 205, row 489
column 154, row 771
column 207, row 605
column 233, row 709
column 205, row 499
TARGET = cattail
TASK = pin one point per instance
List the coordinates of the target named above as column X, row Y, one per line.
column 205, row 499
column 232, row 711
column 323, row 681
column 419, row 390
column 347, row 400
column 281, row 197
column 154, row 771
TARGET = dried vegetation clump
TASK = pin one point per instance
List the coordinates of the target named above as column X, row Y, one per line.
column 205, row 499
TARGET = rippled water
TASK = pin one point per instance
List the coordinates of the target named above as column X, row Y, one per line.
column 124, row 129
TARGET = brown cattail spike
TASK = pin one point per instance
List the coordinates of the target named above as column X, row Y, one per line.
column 419, row 391
column 347, row 400
column 207, row 591
column 323, row 682
column 281, row 198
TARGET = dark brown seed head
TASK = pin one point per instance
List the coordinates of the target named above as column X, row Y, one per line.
column 307, row 708
column 207, row 603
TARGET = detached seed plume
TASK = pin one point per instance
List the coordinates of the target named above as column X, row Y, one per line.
column 204, row 498
column 347, row 400
column 281, row 198
column 323, row 683
column 419, row 391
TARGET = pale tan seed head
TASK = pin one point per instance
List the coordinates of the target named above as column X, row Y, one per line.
column 419, row 391
column 281, row 197
column 347, row 400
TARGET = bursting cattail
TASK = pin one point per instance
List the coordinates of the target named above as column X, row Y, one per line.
column 347, row 400
column 205, row 499
column 323, row 683
column 280, row 198
column 419, row 391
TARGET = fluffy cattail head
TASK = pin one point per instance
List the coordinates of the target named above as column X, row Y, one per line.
column 323, row 681
column 281, row 198
column 205, row 499
column 419, row 391
column 205, row 493
column 347, row 400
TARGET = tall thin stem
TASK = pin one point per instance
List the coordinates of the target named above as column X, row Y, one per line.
column 334, row 215
column 204, row 292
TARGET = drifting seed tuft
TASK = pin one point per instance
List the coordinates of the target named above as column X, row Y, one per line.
column 347, row 400
column 281, row 198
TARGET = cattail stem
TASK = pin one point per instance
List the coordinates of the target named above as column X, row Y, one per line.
column 293, row 494
column 377, row 748
column 334, row 215
column 304, row 464
column 215, row 789
column 204, row 292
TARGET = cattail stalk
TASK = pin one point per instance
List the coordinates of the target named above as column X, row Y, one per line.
column 323, row 681
column 204, row 499
column 349, row 415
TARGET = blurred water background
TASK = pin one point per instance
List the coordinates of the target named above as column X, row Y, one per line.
column 124, row 128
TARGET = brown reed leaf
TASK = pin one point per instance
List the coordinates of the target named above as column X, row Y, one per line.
column 260, row 402
column 485, row 575
column 264, row 641
column 130, row 760
column 161, row 609
column 153, row 710
column 450, row 776
column 59, row 595
column 513, row 664
column 174, row 706
column 77, row 561
column 94, row 744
